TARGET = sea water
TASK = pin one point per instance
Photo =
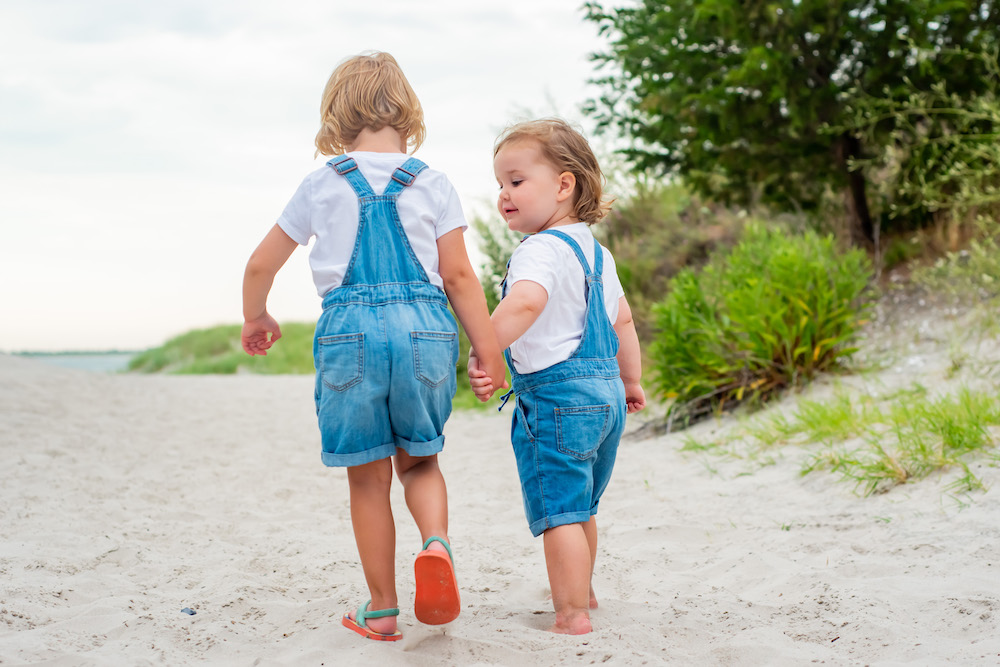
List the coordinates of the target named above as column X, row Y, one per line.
column 100, row 362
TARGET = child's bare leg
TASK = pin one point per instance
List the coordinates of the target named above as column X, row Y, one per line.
column 567, row 558
column 425, row 493
column 375, row 534
column 590, row 529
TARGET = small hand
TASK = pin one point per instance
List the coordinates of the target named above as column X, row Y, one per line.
column 255, row 335
column 482, row 384
column 635, row 397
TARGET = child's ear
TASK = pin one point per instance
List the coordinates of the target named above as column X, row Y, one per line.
column 567, row 186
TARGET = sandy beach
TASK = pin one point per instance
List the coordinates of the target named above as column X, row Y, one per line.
column 127, row 498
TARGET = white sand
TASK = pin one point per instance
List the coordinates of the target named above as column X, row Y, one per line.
column 127, row 498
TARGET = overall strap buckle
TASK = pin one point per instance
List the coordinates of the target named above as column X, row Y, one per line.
column 403, row 177
column 344, row 165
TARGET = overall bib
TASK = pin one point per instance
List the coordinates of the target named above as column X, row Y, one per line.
column 570, row 416
column 386, row 344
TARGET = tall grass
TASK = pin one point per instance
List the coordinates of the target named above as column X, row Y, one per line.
column 876, row 443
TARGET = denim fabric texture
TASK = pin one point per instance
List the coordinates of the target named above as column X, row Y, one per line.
column 568, row 418
column 386, row 344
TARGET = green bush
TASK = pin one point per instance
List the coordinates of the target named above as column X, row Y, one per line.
column 772, row 312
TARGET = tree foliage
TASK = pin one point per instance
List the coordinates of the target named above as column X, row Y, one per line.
column 943, row 157
column 739, row 95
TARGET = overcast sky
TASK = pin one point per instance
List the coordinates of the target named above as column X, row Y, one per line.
column 146, row 148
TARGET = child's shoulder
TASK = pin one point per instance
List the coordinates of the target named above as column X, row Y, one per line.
column 376, row 167
column 578, row 232
column 542, row 249
column 551, row 249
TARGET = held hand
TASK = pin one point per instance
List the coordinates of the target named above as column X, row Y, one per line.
column 482, row 383
column 635, row 397
column 255, row 338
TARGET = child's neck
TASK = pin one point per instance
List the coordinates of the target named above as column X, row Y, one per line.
column 386, row 140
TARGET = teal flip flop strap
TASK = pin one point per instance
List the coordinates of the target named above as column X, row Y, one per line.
column 363, row 613
column 446, row 546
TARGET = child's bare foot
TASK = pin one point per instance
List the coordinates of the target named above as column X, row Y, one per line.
column 575, row 622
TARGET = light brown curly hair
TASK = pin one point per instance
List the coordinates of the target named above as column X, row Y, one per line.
column 566, row 149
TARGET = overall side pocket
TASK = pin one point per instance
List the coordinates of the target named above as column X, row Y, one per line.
column 342, row 360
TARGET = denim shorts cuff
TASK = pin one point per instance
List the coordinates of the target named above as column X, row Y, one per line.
column 358, row 458
column 426, row 448
column 543, row 524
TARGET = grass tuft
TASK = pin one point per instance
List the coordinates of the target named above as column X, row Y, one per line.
column 904, row 436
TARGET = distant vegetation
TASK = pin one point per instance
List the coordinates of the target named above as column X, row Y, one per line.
column 218, row 350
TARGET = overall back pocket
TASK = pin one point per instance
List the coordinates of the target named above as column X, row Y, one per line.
column 435, row 354
column 342, row 360
column 580, row 430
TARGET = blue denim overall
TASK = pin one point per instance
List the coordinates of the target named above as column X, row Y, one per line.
column 570, row 416
column 386, row 344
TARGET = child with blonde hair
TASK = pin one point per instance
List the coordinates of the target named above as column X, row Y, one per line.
column 571, row 348
column 388, row 256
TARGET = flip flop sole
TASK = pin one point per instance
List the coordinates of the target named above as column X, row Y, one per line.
column 368, row 633
column 437, row 599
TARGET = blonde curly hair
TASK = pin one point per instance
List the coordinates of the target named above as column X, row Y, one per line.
column 368, row 91
column 566, row 149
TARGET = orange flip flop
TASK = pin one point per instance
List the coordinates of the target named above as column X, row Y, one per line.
column 437, row 600
column 359, row 623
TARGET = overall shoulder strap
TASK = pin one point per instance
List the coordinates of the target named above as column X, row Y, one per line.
column 347, row 167
column 598, row 258
column 404, row 176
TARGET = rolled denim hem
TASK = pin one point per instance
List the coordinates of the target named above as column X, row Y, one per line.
column 426, row 448
column 546, row 522
column 358, row 458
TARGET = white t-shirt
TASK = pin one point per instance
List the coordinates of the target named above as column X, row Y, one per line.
column 326, row 206
column 550, row 262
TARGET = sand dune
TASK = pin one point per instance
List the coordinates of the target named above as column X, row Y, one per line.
column 125, row 499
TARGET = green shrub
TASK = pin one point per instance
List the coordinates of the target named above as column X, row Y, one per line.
column 773, row 312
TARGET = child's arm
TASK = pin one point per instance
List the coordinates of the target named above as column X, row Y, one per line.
column 466, row 296
column 516, row 313
column 264, row 262
column 629, row 358
column 524, row 302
